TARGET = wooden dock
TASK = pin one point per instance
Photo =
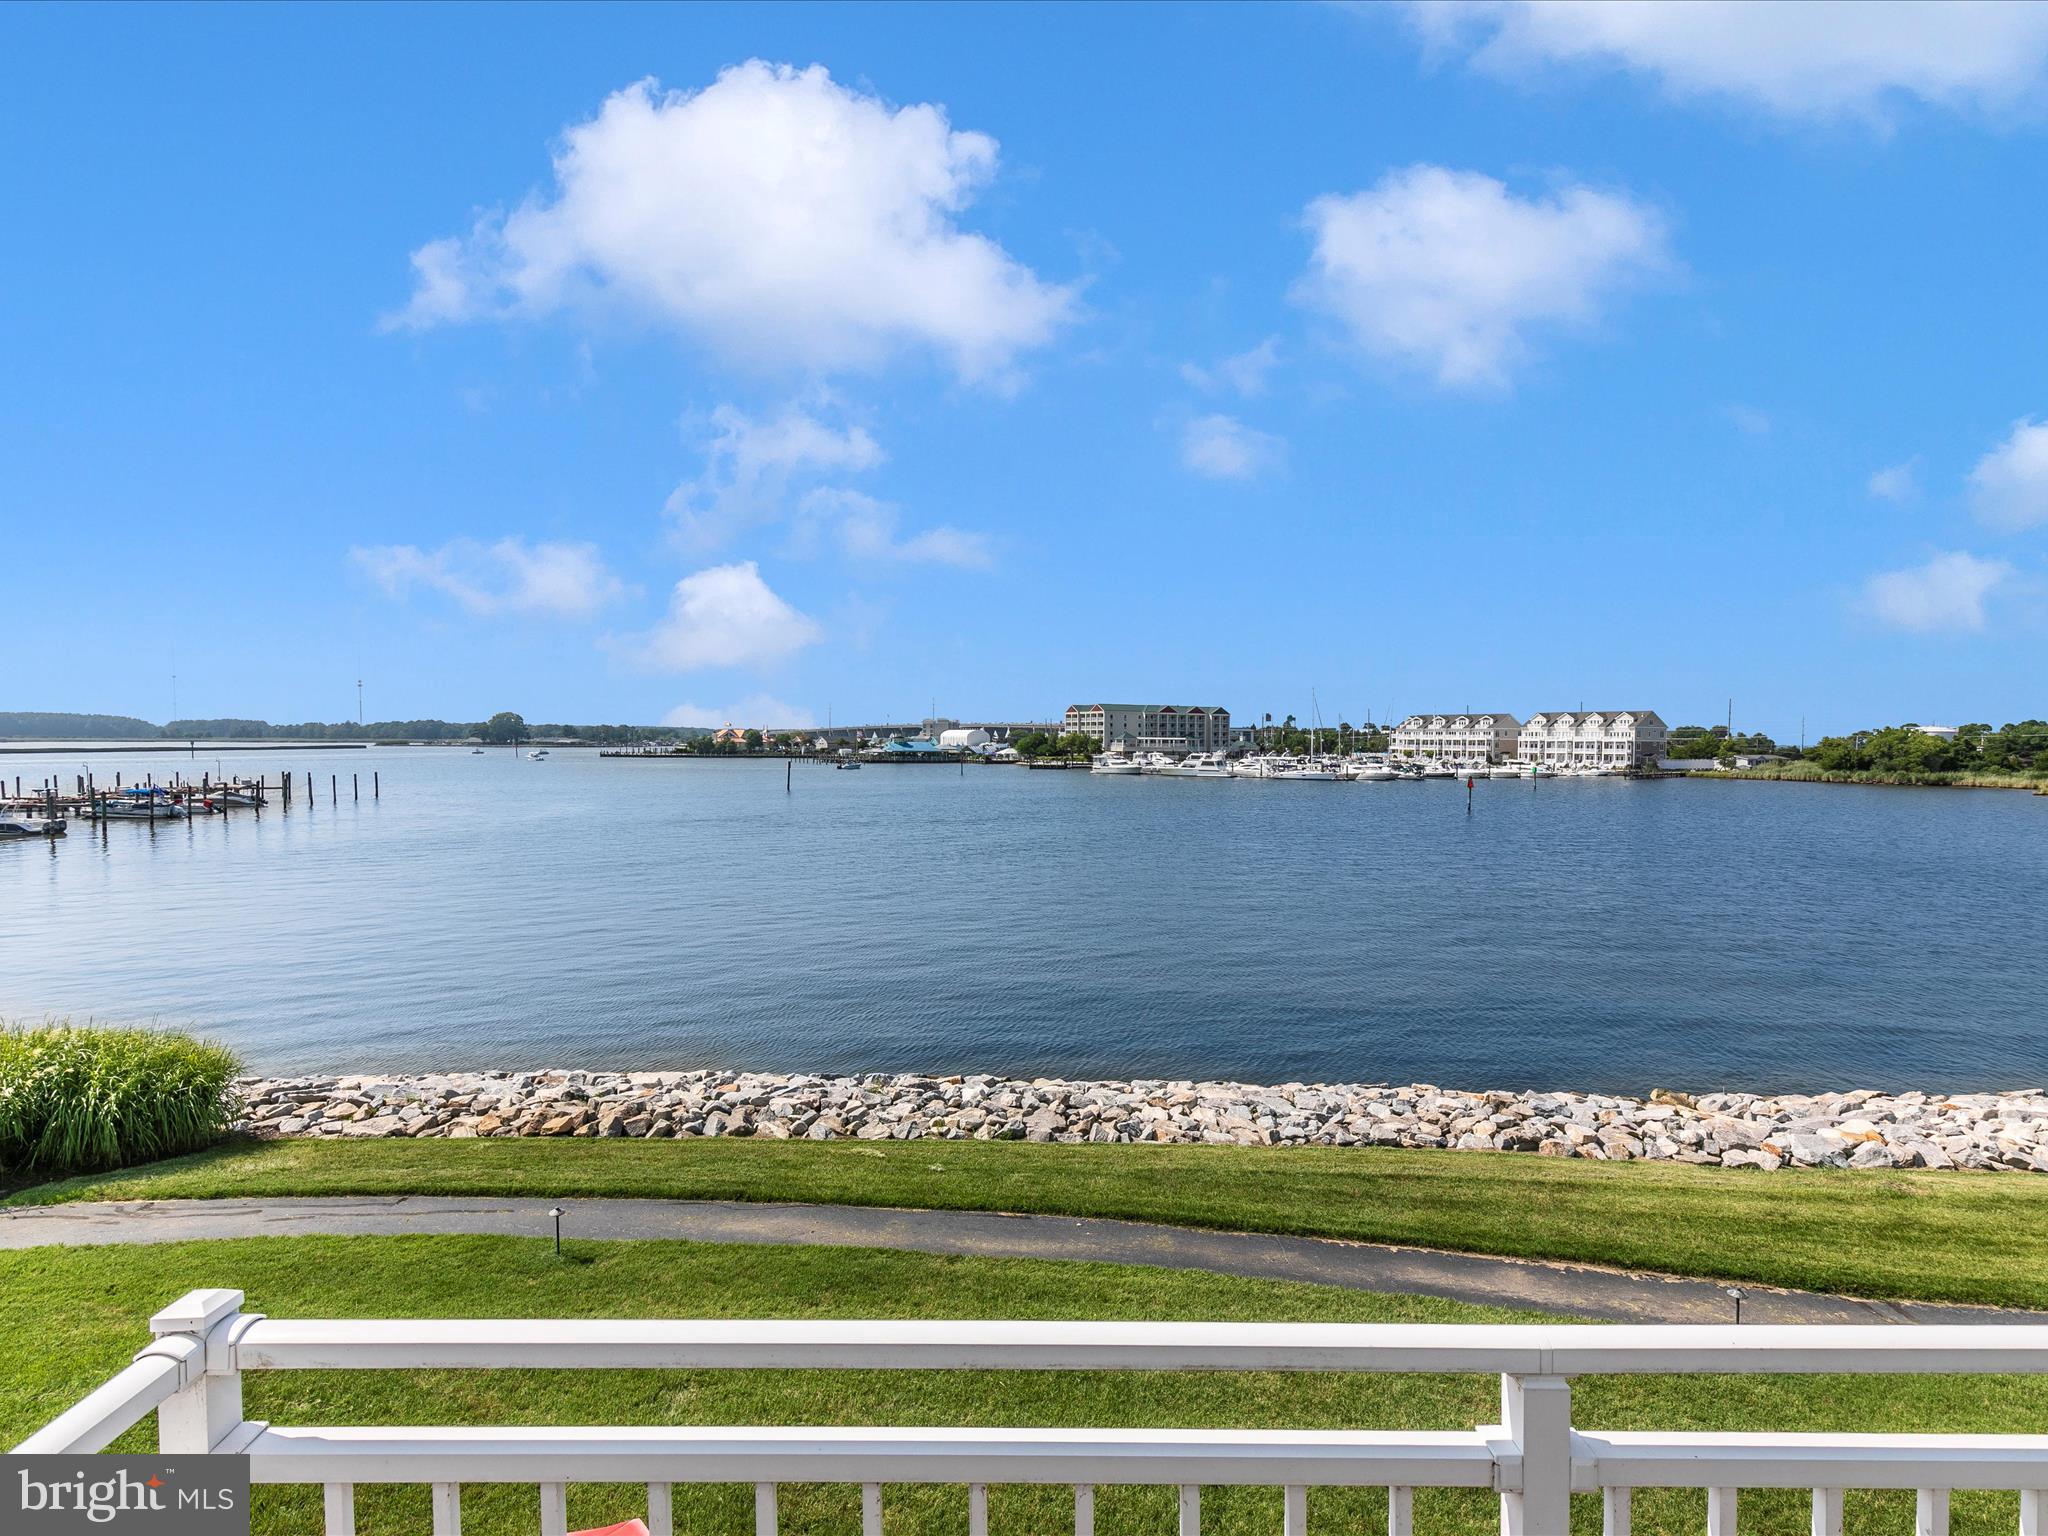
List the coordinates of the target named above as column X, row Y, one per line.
column 89, row 798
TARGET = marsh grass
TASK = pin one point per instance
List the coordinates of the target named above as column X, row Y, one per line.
column 83, row 1099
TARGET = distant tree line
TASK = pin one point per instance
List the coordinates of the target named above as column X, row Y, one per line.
column 20, row 722
column 505, row 726
column 2017, row 747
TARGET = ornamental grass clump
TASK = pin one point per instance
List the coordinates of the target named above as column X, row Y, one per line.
column 80, row 1099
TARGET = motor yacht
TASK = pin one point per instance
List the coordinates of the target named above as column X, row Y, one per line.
column 1199, row 765
column 1303, row 770
column 1116, row 763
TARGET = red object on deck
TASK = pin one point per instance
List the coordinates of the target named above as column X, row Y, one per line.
column 625, row 1528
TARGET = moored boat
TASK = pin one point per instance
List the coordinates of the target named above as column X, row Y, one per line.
column 12, row 826
column 1199, row 765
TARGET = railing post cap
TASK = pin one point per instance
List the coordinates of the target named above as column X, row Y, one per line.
column 196, row 1311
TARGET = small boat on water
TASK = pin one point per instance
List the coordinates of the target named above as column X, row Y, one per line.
column 537, row 756
column 476, row 751
column 847, row 762
column 141, row 805
column 1116, row 763
column 12, row 826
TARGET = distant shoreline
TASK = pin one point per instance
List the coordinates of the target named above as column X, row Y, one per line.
column 193, row 747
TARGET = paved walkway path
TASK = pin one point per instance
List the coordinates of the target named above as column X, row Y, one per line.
column 1570, row 1289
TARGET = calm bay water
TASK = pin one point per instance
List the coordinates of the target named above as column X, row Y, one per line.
column 493, row 911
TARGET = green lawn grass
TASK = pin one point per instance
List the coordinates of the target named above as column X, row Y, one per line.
column 1980, row 1238
column 73, row 1316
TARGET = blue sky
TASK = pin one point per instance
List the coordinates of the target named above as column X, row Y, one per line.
column 641, row 363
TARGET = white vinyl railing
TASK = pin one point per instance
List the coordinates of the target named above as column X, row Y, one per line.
column 1533, row 1459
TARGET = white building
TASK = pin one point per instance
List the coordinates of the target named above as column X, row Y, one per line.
column 1153, row 727
column 1594, row 738
column 1464, row 738
column 972, row 739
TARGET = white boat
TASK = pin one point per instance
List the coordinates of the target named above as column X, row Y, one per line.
column 1370, row 768
column 847, row 762
column 1435, row 768
column 1199, row 765
column 1255, row 765
column 1303, row 770
column 136, row 805
column 536, row 756
column 1115, row 763
column 31, row 826
column 1156, row 762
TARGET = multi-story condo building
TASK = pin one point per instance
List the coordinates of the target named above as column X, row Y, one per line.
column 1462, row 738
column 1594, row 738
column 1153, row 727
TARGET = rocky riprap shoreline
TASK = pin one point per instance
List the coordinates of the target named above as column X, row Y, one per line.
column 1863, row 1129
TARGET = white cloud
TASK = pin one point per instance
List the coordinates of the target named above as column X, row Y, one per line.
column 1898, row 483
column 508, row 576
column 750, row 464
column 1947, row 593
column 865, row 529
column 1224, row 448
column 1245, row 372
column 1446, row 270
column 761, row 711
column 782, row 217
column 1792, row 58
column 2010, row 483
column 1748, row 419
column 725, row 616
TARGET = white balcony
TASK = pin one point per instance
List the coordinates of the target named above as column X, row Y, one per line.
column 1535, row 1459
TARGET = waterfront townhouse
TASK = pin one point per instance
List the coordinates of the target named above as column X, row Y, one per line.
column 1153, row 727
column 1460, row 738
column 1617, row 738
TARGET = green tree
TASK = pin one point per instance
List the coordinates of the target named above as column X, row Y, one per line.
column 754, row 739
column 504, row 726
